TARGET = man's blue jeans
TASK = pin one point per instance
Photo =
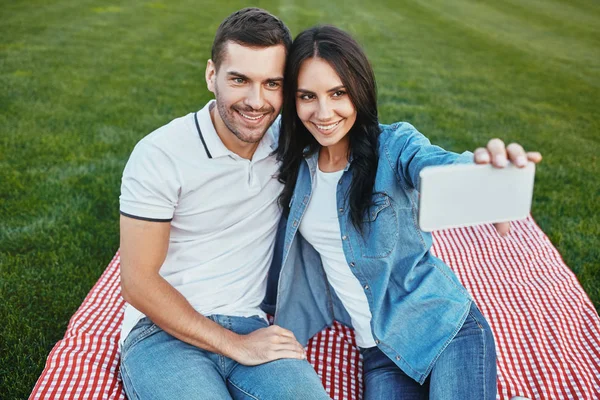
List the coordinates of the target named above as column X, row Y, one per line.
column 155, row 365
column 465, row 370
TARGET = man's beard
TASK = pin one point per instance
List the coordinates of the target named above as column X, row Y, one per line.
column 226, row 114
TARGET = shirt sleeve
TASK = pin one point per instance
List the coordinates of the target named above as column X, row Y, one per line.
column 150, row 187
column 412, row 151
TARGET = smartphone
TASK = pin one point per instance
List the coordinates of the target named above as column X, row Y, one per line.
column 453, row 196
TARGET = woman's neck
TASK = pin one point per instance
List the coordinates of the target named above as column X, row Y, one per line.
column 334, row 158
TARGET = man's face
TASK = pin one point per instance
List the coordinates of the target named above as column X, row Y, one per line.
column 248, row 89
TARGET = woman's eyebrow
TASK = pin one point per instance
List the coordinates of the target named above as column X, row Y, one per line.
column 335, row 89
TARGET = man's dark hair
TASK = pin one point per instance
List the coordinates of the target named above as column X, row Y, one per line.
column 253, row 27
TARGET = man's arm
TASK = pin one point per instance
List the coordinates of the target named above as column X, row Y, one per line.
column 144, row 248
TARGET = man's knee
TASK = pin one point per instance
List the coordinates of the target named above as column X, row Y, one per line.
column 281, row 379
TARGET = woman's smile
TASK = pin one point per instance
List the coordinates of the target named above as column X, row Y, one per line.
column 326, row 129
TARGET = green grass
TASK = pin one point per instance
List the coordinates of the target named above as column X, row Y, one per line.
column 81, row 82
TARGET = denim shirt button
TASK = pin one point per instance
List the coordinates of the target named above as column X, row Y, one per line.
column 397, row 358
column 341, row 210
column 344, row 237
column 366, row 287
column 352, row 264
column 295, row 223
column 377, row 341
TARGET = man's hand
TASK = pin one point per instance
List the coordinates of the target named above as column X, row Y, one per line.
column 499, row 155
column 267, row 344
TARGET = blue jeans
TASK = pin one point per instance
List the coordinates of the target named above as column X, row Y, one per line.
column 155, row 365
column 466, row 369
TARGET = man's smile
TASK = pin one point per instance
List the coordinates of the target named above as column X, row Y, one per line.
column 251, row 117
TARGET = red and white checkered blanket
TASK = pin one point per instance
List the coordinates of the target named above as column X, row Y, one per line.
column 547, row 330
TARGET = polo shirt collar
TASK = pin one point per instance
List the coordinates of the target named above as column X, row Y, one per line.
column 209, row 134
column 215, row 145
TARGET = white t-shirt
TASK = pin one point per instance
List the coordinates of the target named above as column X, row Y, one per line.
column 222, row 209
column 320, row 227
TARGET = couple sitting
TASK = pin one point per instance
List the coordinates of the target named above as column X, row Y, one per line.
column 201, row 202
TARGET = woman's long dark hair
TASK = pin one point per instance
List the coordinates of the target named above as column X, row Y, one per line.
column 346, row 57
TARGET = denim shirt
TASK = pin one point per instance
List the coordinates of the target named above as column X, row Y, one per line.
column 416, row 301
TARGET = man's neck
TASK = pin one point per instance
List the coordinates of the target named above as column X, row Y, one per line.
column 229, row 139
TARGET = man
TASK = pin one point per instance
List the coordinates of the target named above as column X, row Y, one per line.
column 199, row 215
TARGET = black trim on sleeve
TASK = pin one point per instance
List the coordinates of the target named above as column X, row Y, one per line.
column 201, row 137
column 145, row 219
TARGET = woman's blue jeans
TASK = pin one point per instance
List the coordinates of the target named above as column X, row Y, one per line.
column 465, row 370
column 155, row 365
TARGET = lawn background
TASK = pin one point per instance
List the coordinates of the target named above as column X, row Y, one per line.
column 81, row 82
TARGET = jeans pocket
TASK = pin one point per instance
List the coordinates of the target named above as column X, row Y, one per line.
column 474, row 323
column 368, row 352
column 246, row 325
column 260, row 319
column 140, row 331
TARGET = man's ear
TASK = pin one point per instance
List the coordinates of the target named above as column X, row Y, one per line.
column 210, row 75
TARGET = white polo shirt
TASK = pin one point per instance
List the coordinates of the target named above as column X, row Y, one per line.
column 222, row 208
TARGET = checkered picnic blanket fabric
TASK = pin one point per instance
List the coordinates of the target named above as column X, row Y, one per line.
column 547, row 331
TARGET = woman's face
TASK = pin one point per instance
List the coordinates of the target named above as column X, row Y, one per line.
column 322, row 102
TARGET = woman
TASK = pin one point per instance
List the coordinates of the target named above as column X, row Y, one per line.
column 352, row 250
